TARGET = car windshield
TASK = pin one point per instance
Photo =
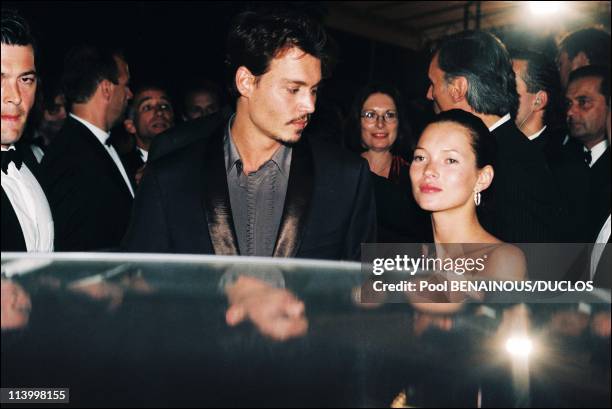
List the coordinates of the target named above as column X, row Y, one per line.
column 156, row 330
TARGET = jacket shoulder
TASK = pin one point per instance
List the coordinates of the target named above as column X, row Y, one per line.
column 186, row 134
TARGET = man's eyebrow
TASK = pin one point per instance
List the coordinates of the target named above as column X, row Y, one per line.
column 23, row 74
column 299, row 82
column 144, row 99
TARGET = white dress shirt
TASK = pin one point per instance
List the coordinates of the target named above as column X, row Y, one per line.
column 144, row 155
column 499, row 123
column 535, row 135
column 597, row 151
column 602, row 239
column 102, row 137
column 31, row 207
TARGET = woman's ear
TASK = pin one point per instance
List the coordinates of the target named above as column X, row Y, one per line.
column 485, row 178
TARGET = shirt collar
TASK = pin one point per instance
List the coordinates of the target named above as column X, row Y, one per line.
column 598, row 150
column 10, row 148
column 99, row 133
column 231, row 152
column 281, row 158
column 499, row 123
column 535, row 135
column 143, row 154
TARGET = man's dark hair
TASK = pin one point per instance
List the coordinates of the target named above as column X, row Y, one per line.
column 256, row 37
column 16, row 30
column 483, row 59
column 404, row 141
column 130, row 112
column 541, row 74
column 593, row 42
column 594, row 71
column 204, row 86
column 84, row 68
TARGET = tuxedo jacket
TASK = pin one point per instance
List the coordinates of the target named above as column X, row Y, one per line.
column 132, row 161
column 571, row 175
column 12, row 235
column 526, row 205
column 599, row 194
column 89, row 198
column 186, row 134
column 183, row 205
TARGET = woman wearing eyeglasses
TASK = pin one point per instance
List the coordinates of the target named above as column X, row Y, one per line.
column 378, row 131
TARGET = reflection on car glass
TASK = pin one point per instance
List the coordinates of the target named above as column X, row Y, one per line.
column 105, row 275
column 23, row 266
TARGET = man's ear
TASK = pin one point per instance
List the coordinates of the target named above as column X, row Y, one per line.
column 580, row 60
column 245, row 81
column 541, row 101
column 458, row 89
column 485, row 178
column 129, row 126
column 106, row 88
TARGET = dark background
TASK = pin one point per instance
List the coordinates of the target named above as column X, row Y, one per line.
column 176, row 42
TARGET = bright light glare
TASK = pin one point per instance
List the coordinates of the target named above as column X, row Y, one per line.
column 544, row 7
column 519, row 346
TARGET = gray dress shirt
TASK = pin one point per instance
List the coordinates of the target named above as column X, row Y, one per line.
column 256, row 199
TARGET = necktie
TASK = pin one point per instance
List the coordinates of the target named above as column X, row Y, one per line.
column 587, row 157
column 12, row 155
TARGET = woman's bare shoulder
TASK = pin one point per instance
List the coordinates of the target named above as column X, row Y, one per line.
column 506, row 261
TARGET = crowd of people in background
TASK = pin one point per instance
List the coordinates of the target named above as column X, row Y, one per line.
column 273, row 186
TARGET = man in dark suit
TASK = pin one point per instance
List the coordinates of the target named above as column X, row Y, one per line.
column 601, row 258
column 472, row 71
column 588, row 98
column 149, row 114
column 27, row 223
column 541, row 118
column 255, row 187
column 88, row 188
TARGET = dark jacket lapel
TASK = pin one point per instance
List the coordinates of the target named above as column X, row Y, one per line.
column 216, row 199
column 89, row 139
column 12, row 235
column 297, row 201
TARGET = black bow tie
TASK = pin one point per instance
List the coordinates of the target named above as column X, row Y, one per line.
column 12, row 155
column 108, row 142
column 588, row 157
